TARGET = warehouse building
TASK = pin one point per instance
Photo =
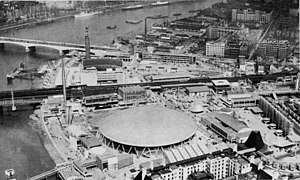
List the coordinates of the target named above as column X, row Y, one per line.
column 227, row 126
column 197, row 91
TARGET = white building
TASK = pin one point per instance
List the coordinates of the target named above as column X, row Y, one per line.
column 221, row 164
column 215, row 49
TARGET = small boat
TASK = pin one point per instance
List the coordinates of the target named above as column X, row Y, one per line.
column 131, row 7
column 133, row 21
column 111, row 27
column 159, row 16
column 177, row 14
column 10, row 174
column 84, row 14
column 160, row 3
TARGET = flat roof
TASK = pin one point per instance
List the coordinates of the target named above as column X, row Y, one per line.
column 220, row 82
column 128, row 89
column 90, row 141
column 194, row 89
column 243, row 160
column 256, row 110
column 89, row 78
column 76, row 131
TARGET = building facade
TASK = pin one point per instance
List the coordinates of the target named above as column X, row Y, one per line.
column 215, row 49
column 132, row 93
column 250, row 15
column 169, row 57
column 219, row 31
column 276, row 48
column 220, row 164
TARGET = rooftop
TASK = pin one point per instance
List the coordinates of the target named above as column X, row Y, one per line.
column 226, row 120
column 221, row 82
column 194, row 89
column 129, row 89
column 76, row 131
column 90, row 141
column 148, row 126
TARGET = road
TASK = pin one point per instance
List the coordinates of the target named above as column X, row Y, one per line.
column 261, row 39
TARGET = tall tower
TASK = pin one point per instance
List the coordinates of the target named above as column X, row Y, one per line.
column 87, row 43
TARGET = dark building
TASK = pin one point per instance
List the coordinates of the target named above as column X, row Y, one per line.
column 200, row 176
column 232, row 49
column 132, row 93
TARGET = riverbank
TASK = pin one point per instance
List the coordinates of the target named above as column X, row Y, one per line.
column 47, row 139
column 32, row 23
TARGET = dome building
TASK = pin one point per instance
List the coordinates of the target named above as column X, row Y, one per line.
column 146, row 129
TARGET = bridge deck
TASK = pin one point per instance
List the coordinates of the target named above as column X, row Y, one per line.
column 60, row 46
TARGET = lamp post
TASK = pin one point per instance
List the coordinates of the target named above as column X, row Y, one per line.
column 13, row 107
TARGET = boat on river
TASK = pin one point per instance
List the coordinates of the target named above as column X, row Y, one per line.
column 160, row 3
column 132, row 7
column 177, row 14
column 133, row 21
column 111, row 27
column 84, row 14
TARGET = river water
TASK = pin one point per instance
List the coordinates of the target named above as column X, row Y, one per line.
column 21, row 147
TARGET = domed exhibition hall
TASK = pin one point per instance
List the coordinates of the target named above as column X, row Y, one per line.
column 146, row 129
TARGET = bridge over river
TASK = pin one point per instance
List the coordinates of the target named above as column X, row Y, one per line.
column 61, row 47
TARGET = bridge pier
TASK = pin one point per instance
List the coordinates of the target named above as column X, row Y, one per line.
column 30, row 49
column 61, row 53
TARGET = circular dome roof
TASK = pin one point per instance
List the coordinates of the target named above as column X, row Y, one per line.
column 148, row 126
column 197, row 108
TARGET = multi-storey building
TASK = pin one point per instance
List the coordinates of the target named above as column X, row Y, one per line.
column 219, row 31
column 221, row 164
column 169, row 57
column 215, row 49
column 249, row 15
column 132, row 93
column 275, row 48
column 232, row 49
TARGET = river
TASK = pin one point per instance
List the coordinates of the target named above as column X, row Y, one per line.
column 21, row 147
